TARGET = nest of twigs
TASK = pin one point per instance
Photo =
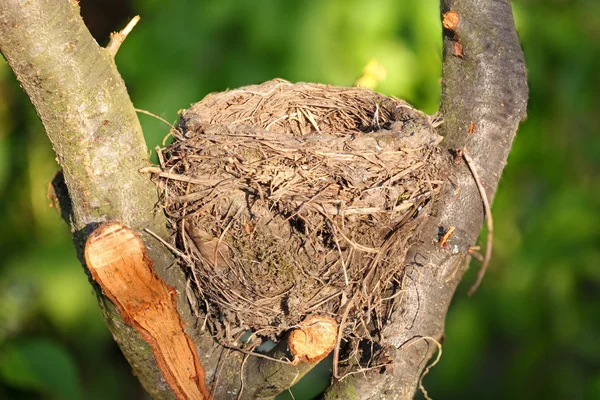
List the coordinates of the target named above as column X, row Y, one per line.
column 290, row 200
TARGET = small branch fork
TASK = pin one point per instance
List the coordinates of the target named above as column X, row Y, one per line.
column 117, row 38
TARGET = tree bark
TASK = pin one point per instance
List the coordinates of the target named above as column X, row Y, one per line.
column 82, row 101
column 484, row 91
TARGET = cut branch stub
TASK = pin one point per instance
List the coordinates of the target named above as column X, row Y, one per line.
column 117, row 260
column 314, row 339
column 450, row 20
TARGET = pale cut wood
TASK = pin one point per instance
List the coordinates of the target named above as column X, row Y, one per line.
column 117, row 260
column 314, row 339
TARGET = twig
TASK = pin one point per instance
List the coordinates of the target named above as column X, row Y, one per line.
column 177, row 177
column 488, row 217
column 356, row 245
column 292, row 385
column 276, row 120
column 444, row 239
column 473, row 252
column 363, row 370
column 239, row 396
column 439, row 355
column 336, row 350
column 168, row 246
column 253, row 353
column 155, row 116
column 337, row 243
column 117, row 38
column 437, row 359
column 307, row 202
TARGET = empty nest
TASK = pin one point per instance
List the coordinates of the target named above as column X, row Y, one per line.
column 289, row 200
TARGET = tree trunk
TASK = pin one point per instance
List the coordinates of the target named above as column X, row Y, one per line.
column 83, row 103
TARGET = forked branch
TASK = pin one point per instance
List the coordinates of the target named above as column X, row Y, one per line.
column 81, row 99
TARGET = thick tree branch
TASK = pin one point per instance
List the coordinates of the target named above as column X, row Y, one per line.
column 484, row 91
column 82, row 101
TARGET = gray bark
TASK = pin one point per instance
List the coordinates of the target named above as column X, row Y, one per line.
column 82, row 101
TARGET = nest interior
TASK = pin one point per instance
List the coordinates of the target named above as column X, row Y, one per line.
column 292, row 200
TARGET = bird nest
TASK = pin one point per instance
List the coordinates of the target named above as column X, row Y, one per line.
column 291, row 200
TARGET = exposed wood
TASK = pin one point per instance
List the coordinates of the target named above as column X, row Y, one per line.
column 314, row 339
column 450, row 20
column 117, row 260
column 117, row 38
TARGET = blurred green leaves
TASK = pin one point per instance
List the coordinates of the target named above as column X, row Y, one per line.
column 179, row 53
column 42, row 366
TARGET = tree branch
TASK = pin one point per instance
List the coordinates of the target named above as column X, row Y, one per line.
column 117, row 38
column 82, row 101
column 484, row 90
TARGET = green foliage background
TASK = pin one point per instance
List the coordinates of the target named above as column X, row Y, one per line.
column 533, row 328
